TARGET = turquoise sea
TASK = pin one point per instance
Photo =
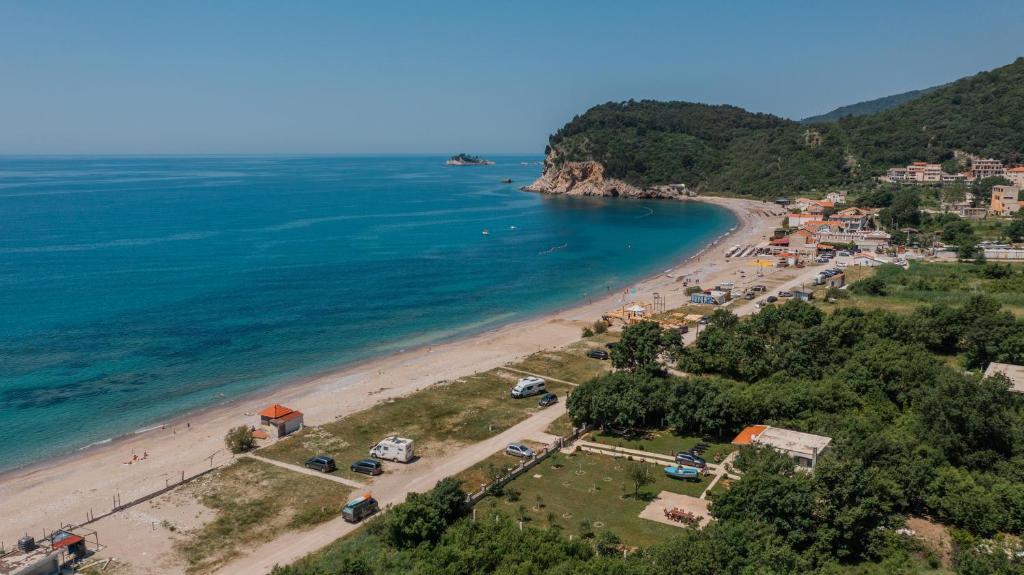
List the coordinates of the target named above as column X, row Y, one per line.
column 133, row 289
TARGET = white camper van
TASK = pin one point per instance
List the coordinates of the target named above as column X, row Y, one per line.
column 394, row 448
column 528, row 386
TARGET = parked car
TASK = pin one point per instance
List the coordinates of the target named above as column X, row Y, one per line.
column 785, row 293
column 771, row 299
column 322, row 463
column 359, row 509
column 598, row 354
column 844, row 254
column 704, row 320
column 612, row 345
column 518, row 450
column 548, row 399
column 760, row 288
column 841, row 264
column 684, row 458
column 749, row 295
column 367, row 466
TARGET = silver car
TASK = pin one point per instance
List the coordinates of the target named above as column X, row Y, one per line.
column 519, row 450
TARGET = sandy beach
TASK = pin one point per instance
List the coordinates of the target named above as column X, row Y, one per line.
column 65, row 490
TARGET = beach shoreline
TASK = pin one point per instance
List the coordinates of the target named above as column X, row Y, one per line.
column 40, row 495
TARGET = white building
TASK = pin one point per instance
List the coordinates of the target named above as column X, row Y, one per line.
column 1015, row 373
column 804, row 448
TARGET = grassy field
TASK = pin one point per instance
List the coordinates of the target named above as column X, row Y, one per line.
column 946, row 283
column 561, row 426
column 665, row 442
column 570, row 364
column 438, row 418
column 592, row 488
column 255, row 501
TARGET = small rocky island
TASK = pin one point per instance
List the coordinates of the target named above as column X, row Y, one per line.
column 467, row 160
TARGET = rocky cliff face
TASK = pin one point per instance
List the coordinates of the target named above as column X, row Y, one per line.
column 588, row 179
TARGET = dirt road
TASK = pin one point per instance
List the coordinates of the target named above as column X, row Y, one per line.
column 389, row 490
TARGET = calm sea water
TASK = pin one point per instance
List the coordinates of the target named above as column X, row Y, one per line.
column 134, row 289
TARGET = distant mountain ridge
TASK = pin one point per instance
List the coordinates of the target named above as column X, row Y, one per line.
column 868, row 107
column 726, row 149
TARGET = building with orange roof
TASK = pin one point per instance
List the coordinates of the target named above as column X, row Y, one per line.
column 281, row 420
column 1016, row 176
column 803, row 448
column 745, row 436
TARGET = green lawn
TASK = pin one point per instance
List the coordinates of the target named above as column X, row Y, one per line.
column 595, row 488
column 664, row 442
column 254, row 501
column 935, row 283
column 438, row 418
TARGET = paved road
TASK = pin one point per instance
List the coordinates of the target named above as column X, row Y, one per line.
column 391, row 488
column 300, row 469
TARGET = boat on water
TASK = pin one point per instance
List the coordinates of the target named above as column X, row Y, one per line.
column 468, row 160
column 486, row 232
column 506, row 181
column 683, row 472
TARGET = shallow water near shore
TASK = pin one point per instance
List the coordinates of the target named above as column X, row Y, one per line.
column 135, row 289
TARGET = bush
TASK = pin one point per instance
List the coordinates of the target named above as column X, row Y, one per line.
column 587, row 332
column 600, row 326
column 869, row 286
column 239, row 439
column 607, row 544
column 693, row 289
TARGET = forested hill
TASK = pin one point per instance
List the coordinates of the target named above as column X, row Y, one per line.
column 868, row 107
column 727, row 149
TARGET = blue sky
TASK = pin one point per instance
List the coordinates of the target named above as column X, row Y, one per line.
column 410, row 77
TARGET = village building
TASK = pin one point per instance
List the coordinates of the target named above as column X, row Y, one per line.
column 1016, row 176
column 867, row 260
column 895, row 175
column 1005, row 200
column 800, row 242
column 854, row 219
column 281, row 420
column 1014, row 373
column 987, row 168
column 804, row 448
column 836, row 197
column 798, row 219
column 924, row 173
column 865, row 240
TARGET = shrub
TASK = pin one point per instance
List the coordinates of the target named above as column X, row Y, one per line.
column 869, row 286
column 587, row 332
column 600, row 326
column 239, row 439
column 693, row 289
column 607, row 544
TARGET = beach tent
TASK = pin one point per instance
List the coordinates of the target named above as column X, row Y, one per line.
column 636, row 308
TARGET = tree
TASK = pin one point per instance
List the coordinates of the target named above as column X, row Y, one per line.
column 639, row 347
column 239, row 439
column 640, row 475
column 1015, row 230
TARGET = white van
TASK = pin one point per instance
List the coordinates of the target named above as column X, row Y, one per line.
column 528, row 386
column 394, row 448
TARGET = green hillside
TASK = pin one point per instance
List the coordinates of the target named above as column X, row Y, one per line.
column 868, row 107
column 727, row 149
